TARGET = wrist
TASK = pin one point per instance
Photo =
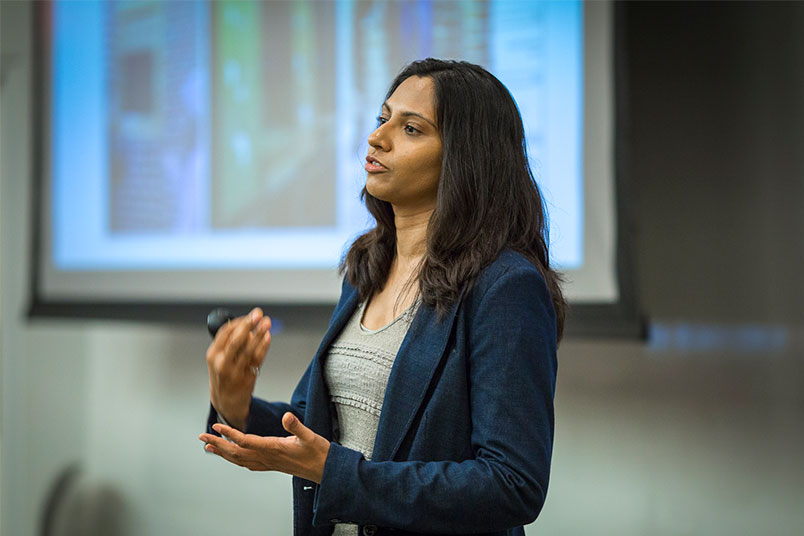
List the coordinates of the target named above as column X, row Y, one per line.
column 235, row 417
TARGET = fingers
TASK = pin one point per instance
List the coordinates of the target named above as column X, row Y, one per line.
column 220, row 341
column 232, row 434
column 247, row 336
column 232, row 442
column 218, row 446
column 303, row 454
column 294, row 426
column 257, row 345
column 211, row 440
column 248, row 464
column 224, row 336
column 242, row 332
column 224, row 333
column 238, row 448
column 262, row 349
column 247, row 441
column 226, row 450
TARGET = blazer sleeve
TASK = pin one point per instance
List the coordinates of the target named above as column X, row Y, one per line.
column 265, row 418
column 512, row 361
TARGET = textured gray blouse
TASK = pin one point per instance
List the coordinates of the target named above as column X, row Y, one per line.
column 356, row 372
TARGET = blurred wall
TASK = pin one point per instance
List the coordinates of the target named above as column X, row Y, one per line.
column 696, row 431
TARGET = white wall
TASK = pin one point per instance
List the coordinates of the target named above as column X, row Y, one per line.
column 649, row 441
column 126, row 401
column 43, row 368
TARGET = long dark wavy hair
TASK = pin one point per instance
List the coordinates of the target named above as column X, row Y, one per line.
column 487, row 199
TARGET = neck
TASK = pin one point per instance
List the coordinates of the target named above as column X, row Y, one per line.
column 411, row 235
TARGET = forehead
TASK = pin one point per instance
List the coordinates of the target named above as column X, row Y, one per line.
column 415, row 94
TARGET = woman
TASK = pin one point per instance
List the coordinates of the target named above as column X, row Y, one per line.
column 428, row 408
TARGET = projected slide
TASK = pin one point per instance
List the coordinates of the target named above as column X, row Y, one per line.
column 230, row 135
column 156, row 105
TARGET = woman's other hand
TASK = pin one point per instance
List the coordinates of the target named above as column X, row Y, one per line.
column 302, row 454
column 234, row 359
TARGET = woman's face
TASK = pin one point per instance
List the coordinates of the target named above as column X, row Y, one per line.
column 404, row 157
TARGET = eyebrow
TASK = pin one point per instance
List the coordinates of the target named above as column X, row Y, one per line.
column 409, row 114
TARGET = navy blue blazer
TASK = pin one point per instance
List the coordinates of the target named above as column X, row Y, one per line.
column 466, row 430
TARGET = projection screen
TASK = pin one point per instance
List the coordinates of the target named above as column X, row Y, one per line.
column 201, row 152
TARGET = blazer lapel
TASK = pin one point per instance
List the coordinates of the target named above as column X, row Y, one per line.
column 317, row 416
column 415, row 364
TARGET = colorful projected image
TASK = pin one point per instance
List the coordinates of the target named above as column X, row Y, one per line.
column 233, row 133
column 158, row 109
column 274, row 121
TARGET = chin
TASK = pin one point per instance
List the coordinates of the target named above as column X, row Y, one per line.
column 375, row 191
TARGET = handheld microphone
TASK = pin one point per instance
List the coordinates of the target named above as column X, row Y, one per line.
column 216, row 318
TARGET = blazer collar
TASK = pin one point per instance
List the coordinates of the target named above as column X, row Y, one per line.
column 318, row 415
column 343, row 312
column 415, row 364
column 414, row 367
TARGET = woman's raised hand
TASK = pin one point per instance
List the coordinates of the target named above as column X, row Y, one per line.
column 234, row 359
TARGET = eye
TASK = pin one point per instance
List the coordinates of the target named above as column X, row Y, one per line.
column 381, row 120
column 410, row 129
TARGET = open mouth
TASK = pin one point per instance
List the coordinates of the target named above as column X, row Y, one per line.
column 372, row 164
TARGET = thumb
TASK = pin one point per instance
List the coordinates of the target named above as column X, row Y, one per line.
column 293, row 425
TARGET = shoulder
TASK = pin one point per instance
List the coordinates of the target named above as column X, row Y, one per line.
column 347, row 289
column 512, row 282
column 509, row 268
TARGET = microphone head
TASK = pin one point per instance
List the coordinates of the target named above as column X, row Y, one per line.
column 216, row 318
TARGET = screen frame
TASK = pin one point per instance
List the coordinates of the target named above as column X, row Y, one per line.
column 620, row 319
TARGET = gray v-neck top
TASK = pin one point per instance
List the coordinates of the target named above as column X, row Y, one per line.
column 356, row 373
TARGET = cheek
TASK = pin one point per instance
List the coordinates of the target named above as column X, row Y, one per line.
column 431, row 168
column 423, row 173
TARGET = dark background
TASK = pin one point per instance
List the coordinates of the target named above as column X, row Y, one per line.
column 716, row 127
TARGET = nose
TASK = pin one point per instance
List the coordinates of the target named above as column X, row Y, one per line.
column 379, row 138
